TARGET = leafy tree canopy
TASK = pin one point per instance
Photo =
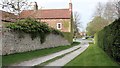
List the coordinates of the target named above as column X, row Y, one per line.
column 97, row 24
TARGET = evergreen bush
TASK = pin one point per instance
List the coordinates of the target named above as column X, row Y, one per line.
column 109, row 39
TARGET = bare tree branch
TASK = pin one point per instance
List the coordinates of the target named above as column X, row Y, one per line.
column 99, row 9
column 77, row 22
column 116, row 5
column 14, row 6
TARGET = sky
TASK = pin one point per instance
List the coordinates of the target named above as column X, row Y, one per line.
column 85, row 8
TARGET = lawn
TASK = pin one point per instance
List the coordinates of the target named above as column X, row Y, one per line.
column 93, row 56
column 16, row 58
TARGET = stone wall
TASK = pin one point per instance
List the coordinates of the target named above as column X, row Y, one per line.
column 12, row 43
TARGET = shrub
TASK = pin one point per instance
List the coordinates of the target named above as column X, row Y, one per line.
column 109, row 39
column 34, row 28
column 68, row 36
column 57, row 32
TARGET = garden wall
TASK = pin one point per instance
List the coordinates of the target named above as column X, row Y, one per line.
column 13, row 42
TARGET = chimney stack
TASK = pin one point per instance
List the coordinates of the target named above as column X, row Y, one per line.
column 70, row 6
column 35, row 6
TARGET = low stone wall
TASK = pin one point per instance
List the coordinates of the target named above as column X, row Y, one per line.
column 11, row 43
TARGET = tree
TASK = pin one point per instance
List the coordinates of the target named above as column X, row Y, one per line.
column 14, row 6
column 109, row 12
column 104, row 15
column 99, row 9
column 77, row 23
column 97, row 24
column 112, row 10
column 116, row 4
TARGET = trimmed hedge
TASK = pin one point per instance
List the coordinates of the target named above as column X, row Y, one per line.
column 68, row 36
column 109, row 39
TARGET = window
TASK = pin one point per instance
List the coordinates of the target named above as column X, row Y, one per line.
column 59, row 26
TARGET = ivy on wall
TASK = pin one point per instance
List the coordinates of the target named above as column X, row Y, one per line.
column 34, row 28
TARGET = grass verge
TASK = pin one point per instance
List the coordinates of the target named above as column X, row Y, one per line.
column 93, row 56
column 16, row 58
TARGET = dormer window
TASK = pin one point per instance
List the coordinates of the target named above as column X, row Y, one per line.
column 59, row 26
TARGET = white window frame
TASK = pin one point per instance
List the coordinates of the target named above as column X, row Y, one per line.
column 58, row 25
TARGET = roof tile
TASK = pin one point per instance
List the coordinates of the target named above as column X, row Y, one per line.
column 46, row 13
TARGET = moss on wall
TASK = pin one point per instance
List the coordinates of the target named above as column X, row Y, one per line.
column 66, row 24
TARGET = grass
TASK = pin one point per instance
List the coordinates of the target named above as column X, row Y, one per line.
column 16, row 58
column 90, row 39
column 93, row 56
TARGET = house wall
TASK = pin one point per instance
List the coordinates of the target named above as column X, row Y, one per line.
column 66, row 24
column 11, row 43
column 6, row 16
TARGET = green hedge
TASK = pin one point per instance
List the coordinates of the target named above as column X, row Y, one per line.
column 109, row 39
column 68, row 36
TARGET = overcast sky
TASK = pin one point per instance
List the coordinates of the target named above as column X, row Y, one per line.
column 85, row 8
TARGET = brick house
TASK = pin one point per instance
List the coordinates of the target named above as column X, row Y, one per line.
column 6, row 17
column 60, row 19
